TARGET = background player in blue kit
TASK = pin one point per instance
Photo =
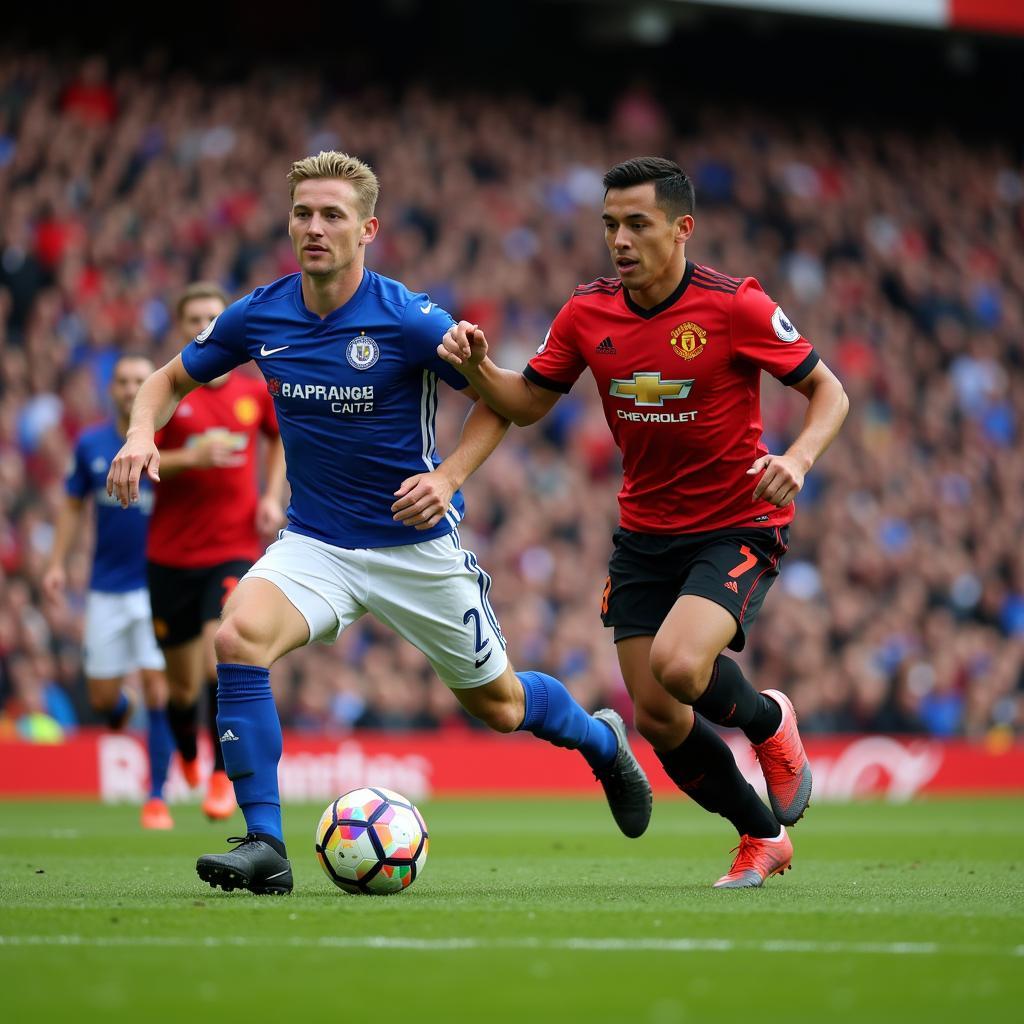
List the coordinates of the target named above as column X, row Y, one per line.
column 350, row 358
column 118, row 623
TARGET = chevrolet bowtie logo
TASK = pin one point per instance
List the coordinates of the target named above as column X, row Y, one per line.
column 649, row 388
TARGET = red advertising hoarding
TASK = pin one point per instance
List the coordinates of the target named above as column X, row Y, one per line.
column 996, row 16
column 421, row 765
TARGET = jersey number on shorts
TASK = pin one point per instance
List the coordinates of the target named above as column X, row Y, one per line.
column 473, row 614
column 749, row 561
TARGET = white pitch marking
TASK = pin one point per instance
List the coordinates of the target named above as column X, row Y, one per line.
column 579, row 944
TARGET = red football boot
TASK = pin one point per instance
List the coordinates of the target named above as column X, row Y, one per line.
column 787, row 772
column 220, row 797
column 155, row 815
column 756, row 860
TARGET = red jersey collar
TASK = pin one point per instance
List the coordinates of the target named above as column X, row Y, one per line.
column 647, row 314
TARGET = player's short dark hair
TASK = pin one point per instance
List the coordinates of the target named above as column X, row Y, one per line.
column 199, row 290
column 673, row 190
column 125, row 356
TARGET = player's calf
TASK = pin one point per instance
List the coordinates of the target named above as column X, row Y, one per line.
column 539, row 703
column 115, row 704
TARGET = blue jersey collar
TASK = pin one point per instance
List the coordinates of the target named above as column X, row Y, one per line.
column 337, row 314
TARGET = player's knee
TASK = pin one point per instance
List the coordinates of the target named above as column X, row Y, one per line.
column 103, row 694
column 501, row 717
column 102, row 703
column 682, row 674
column 239, row 642
column 181, row 692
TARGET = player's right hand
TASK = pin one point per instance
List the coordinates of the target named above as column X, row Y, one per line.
column 216, row 455
column 54, row 581
column 464, row 345
column 138, row 454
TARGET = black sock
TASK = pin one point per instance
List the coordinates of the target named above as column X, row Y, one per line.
column 211, row 722
column 183, row 722
column 273, row 841
column 731, row 701
column 703, row 767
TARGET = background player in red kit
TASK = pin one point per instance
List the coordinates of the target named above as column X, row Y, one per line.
column 677, row 350
column 207, row 530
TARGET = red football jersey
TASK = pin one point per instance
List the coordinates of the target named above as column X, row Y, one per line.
column 680, row 385
column 206, row 516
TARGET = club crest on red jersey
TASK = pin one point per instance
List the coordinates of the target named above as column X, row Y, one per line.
column 247, row 410
column 688, row 340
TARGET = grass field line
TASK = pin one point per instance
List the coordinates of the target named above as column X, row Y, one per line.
column 687, row 827
column 578, row 944
column 886, row 910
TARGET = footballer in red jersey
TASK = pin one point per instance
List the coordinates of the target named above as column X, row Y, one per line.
column 207, row 530
column 677, row 350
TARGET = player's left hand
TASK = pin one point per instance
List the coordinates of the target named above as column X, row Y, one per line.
column 422, row 500
column 781, row 480
column 270, row 516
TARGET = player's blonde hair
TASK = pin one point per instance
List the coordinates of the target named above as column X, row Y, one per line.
column 199, row 290
column 331, row 164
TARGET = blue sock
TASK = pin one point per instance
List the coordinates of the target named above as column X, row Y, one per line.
column 553, row 715
column 116, row 713
column 250, row 734
column 160, row 745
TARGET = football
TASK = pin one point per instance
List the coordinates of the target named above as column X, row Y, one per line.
column 372, row 841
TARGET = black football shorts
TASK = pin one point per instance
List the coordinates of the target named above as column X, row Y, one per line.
column 184, row 600
column 648, row 572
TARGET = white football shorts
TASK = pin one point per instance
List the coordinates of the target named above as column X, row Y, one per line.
column 119, row 634
column 433, row 594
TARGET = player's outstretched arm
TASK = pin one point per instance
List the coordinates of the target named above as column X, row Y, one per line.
column 65, row 529
column 423, row 499
column 827, row 406
column 270, row 515
column 507, row 392
column 154, row 405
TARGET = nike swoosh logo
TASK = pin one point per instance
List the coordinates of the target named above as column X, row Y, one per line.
column 477, row 664
column 278, row 875
column 427, row 308
column 264, row 351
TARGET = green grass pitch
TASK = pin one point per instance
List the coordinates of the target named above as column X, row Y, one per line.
column 528, row 911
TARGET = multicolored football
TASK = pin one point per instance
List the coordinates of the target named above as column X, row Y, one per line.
column 372, row 841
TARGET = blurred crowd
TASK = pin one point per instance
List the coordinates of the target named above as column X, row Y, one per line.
column 901, row 603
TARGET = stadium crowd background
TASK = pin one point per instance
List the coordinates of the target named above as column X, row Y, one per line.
column 897, row 252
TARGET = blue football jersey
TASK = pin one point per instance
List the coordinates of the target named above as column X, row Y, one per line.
column 119, row 563
column 356, row 400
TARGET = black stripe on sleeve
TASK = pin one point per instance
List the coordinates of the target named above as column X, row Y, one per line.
column 546, row 382
column 722, row 279
column 711, row 288
column 796, row 375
